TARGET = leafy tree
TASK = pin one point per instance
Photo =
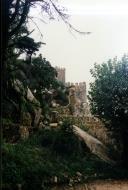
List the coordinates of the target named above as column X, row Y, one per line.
column 41, row 79
column 17, row 69
column 15, row 13
column 15, row 35
column 43, row 76
column 43, row 73
column 108, row 98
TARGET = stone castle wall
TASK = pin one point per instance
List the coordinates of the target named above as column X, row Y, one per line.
column 77, row 94
column 80, row 90
column 92, row 125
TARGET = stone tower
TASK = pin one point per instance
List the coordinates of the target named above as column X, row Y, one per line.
column 60, row 74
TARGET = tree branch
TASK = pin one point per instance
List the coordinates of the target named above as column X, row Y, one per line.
column 62, row 16
column 16, row 11
column 23, row 18
column 36, row 26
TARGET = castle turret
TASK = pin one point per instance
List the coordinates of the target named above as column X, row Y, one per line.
column 60, row 74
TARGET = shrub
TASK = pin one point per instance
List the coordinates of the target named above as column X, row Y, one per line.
column 66, row 142
column 24, row 164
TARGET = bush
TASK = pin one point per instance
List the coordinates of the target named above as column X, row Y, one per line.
column 24, row 164
column 66, row 143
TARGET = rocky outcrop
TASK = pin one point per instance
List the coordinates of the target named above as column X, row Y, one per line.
column 95, row 146
column 31, row 97
column 18, row 86
column 30, row 110
column 38, row 112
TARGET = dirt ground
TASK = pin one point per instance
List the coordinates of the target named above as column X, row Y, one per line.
column 98, row 185
column 108, row 185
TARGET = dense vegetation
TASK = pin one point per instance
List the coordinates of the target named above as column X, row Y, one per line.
column 50, row 157
column 109, row 99
column 18, row 75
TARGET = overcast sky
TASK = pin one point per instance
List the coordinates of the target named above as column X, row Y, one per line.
column 108, row 22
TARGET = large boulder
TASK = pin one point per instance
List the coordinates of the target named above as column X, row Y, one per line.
column 36, row 107
column 31, row 97
column 95, row 146
column 37, row 117
column 19, row 87
column 33, row 116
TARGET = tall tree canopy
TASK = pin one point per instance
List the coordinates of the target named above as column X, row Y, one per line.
column 108, row 97
column 15, row 35
column 15, row 13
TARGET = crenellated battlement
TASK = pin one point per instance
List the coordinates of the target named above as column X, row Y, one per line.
column 79, row 89
column 60, row 68
column 77, row 85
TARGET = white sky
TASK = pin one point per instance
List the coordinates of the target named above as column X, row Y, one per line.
column 108, row 22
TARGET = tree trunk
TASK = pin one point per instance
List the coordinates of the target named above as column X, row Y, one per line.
column 4, row 42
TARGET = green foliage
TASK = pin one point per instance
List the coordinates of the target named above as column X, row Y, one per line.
column 10, row 110
column 61, row 93
column 66, row 143
column 34, row 162
column 43, row 74
column 6, row 121
column 108, row 94
column 27, row 45
column 63, row 142
column 108, row 97
column 39, row 76
column 25, row 164
column 34, row 73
